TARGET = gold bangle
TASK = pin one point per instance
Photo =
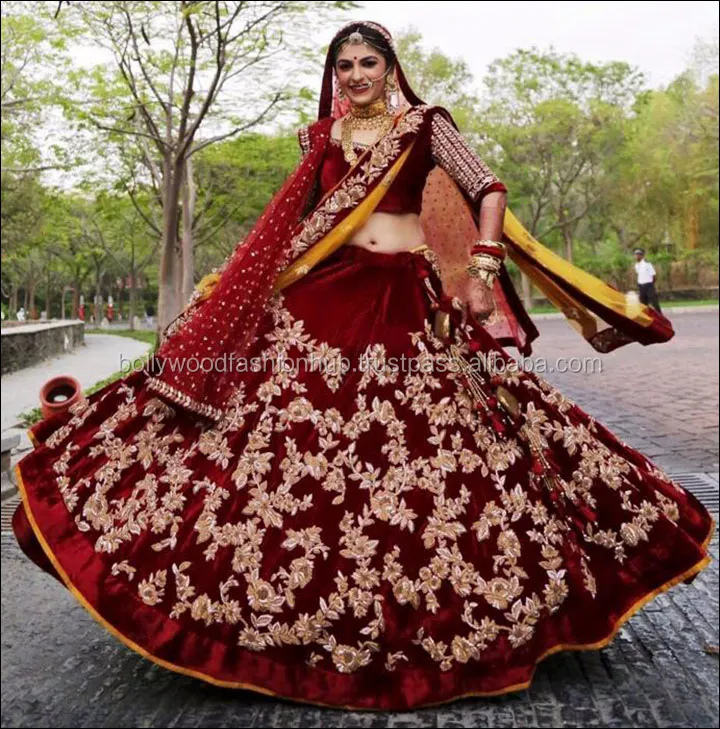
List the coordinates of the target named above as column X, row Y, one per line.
column 480, row 264
column 487, row 260
column 488, row 278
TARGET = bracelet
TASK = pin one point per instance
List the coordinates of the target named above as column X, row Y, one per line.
column 485, row 268
column 483, row 262
column 488, row 278
column 488, row 247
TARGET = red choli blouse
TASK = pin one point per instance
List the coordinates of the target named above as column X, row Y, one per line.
column 438, row 143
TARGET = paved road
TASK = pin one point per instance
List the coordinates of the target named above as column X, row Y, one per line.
column 661, row 399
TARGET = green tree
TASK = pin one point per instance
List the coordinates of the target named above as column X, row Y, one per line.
column 557, row 120
column 439, row 79
column 34, row 55
column 236, row 179
column 182, row 69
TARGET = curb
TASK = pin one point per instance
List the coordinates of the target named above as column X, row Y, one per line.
column 16, row 444
column 668, row 310
column 9, row 489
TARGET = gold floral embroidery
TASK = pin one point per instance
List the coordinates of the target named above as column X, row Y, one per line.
column 451, row 152
column 81, row 411
column 152, row 589
column 124, row 566
column 445, row 491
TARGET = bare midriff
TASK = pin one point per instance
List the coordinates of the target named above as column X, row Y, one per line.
column 389, row 233
column 384, row 232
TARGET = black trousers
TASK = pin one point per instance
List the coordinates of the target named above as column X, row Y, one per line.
column 648, row 296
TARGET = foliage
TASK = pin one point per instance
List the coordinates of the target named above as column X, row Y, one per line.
column 596, row 162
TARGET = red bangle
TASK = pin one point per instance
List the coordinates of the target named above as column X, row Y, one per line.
column 485, row 246
column 487, row 250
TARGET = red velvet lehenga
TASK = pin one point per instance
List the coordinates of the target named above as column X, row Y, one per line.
column 374, row 534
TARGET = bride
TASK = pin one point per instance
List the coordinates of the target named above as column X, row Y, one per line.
column 332, row 484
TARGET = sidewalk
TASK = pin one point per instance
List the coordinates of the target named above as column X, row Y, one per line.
column 97, row 359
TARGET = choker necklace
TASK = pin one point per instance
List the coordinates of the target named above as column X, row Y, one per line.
column 377, row 108
column 372, row 116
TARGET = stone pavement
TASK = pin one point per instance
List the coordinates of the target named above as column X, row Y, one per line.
column 60, row 669
column 662, row 399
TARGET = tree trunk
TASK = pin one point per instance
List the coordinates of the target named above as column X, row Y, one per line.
column 47, row 299
column 168, row 305
column 120, row 303
column 31, row 313
column 132, row 303
column 76, row 300
column 13, row 303
column 98, row 297
column 133, row 284
column 178, row 270
column 567, row 237
column 526, row 291
column 188, row 215
column 693, row 221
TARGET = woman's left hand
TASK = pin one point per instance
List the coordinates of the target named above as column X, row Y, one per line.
column 480, row 300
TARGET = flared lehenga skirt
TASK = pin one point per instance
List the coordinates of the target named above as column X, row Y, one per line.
column 360, row 534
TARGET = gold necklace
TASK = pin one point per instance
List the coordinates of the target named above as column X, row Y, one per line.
column 377, row 108
column 372, row 116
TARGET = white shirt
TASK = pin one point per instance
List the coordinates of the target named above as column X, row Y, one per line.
column 645, row 272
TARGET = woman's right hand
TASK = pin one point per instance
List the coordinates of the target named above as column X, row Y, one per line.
column 481, row 302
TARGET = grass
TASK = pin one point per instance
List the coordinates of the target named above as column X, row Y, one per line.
column 30, row 417
column 692, row 302
column 142, row 335
column 543, row 309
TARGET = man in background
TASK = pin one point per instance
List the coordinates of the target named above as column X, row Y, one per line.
column 646, row 280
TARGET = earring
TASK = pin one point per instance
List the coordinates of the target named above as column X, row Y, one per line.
column 341, row 94
column 390, row 88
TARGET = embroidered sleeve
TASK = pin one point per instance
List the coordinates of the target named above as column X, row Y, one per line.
column 452, row 153
column 304, row 139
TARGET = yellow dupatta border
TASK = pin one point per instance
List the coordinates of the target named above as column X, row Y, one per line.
column 342, row 232
column 535, row 252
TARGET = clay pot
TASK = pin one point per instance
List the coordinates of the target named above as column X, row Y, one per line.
column 59, row 394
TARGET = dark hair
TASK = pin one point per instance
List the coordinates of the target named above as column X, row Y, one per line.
column 374, row 37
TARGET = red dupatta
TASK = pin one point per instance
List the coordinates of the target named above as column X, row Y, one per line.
column 194, row 365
